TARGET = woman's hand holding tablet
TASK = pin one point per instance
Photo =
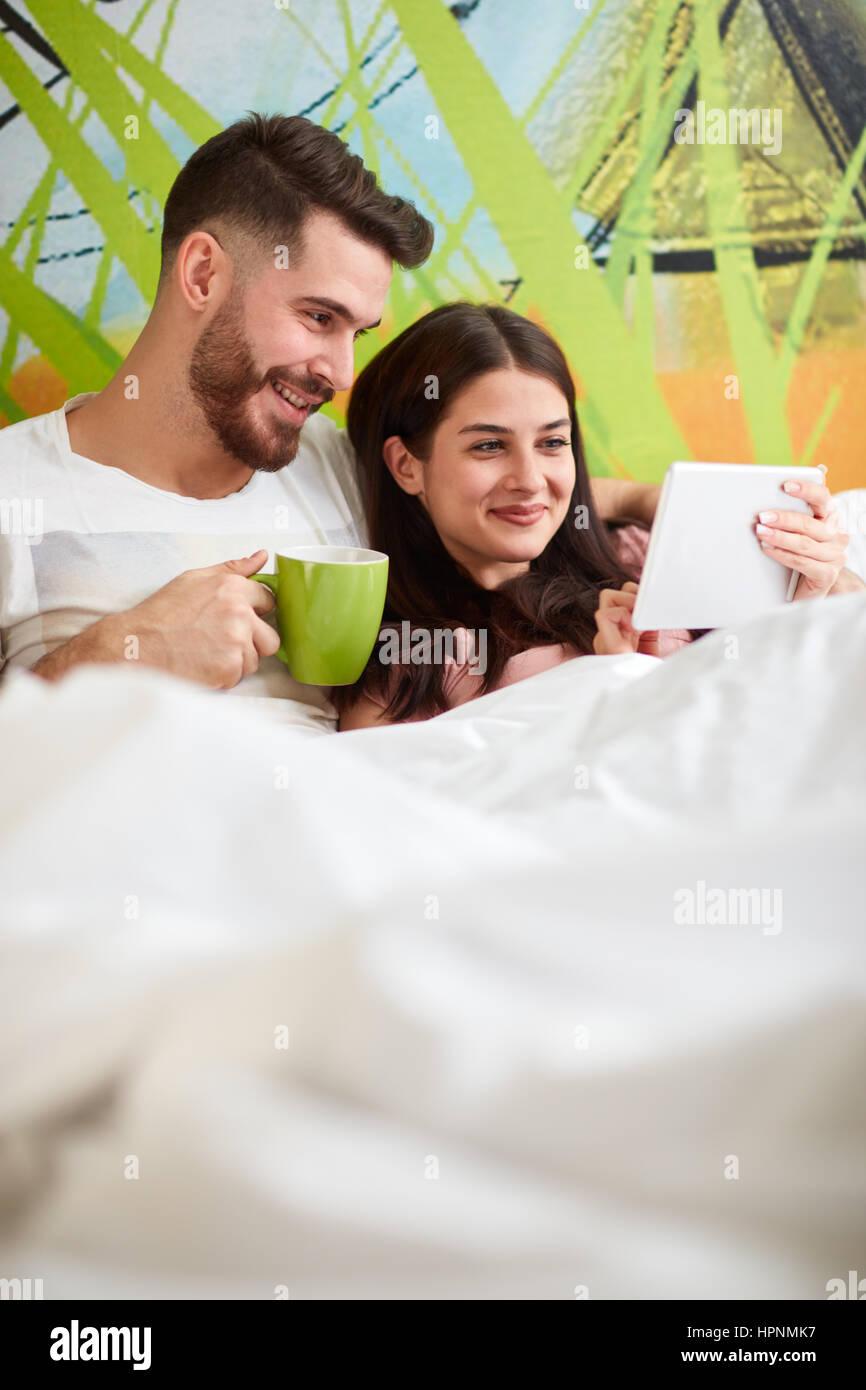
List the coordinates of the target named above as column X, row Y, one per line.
column 709, row 565
column 815, row 546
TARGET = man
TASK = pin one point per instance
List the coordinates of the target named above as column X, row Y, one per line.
column 163, row 493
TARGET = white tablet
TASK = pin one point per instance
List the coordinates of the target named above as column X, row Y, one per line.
column 704, row 565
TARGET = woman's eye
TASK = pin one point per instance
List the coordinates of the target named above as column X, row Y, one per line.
column 559, row 443
column 483, row 443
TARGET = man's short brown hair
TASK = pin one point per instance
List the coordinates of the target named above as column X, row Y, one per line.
column 263, row 176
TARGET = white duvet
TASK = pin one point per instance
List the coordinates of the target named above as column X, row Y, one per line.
column 512, row 1069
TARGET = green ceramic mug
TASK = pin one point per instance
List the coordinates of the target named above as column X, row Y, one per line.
column 330, row 600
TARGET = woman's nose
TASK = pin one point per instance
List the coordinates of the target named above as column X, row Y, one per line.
column 525, row 472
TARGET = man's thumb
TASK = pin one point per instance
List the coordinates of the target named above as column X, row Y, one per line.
column 248, row 565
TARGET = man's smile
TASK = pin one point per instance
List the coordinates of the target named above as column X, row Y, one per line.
column 294, row 404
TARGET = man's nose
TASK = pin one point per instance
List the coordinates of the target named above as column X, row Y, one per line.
column 336, row 364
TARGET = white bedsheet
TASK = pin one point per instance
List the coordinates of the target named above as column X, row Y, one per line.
column 511, row 1073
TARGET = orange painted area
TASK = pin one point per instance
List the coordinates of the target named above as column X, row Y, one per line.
column 713, row 426
column 716, row 428
column 37, row 387
column 842, row 447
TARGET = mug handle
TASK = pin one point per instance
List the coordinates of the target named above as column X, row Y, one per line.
column 271, row 581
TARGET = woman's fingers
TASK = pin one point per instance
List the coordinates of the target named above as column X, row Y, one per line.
column 610, row 638
column 613, row 621
column 801, row 524
column 828, row 548
column 618, row 598
column 819, row 575
column 816, row 494
column 803, row 564
column 814, row 545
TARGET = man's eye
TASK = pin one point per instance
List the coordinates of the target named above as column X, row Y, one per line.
column 360, row 333
column 314, row 314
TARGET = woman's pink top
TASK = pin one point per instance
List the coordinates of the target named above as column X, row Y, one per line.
column 462, row 683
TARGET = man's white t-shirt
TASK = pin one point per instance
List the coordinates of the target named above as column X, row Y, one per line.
column 80, row 539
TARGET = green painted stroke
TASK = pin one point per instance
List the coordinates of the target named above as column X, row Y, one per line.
column 91, row 48
column 604, row 137
column 183, row 109
column 644, row 298
column 808, row 288
column 439, row 263
column 559, row 67
column 761, row 386
column 35, row 210
column 150, row 163
column 574, row 302
column 80, row 355
column 637, row 205
column 11, row 409
column 81, row 166
column 76, row 349
column 820, row 427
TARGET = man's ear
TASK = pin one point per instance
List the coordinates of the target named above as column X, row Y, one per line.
column 202, row 271
column 405, row 469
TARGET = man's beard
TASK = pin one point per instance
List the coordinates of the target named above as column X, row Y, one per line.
column 223, row 379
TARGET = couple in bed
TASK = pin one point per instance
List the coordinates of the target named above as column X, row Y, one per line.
column 129, row 514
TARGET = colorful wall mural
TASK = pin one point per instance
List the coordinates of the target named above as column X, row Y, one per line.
column 675, row 188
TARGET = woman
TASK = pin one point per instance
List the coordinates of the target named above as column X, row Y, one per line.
column 475, row 485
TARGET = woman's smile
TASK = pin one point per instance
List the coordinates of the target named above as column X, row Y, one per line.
column 520, row 513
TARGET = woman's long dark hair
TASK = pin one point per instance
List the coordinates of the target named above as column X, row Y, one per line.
column 404, row 391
